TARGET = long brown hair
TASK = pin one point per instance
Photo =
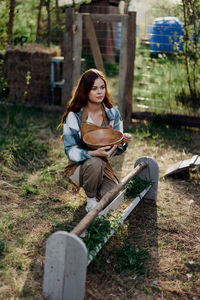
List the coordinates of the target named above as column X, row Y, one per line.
column 80, row 96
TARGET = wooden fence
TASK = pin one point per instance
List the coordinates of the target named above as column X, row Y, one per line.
column 73, row 52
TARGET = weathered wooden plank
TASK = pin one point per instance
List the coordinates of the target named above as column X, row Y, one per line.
column 106, row 17
column 91, row 35
column 123, row 65
column 177, row 119
column 183, row 165
column 65, row 267
column 128, row 87
column 114, row 204
column 68, row 57
column 77, row 47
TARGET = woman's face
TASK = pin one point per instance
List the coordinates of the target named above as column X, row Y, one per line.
column 97, row 92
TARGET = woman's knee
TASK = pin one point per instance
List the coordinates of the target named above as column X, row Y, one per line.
column 94, row 164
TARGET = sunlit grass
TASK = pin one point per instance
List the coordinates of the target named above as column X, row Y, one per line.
column 158, row 83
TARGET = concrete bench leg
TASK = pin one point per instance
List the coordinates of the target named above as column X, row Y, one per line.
column 150, row 173
column 65, row 267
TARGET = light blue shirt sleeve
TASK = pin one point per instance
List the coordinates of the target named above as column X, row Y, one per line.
column 73, row 145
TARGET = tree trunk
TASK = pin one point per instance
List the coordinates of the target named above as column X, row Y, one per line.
column 57, row 13
column 38, row 21
column 11, row 21
column 48, row 2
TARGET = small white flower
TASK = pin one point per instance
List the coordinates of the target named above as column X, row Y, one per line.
column 189, row 276
column 155, row 282
column 108, row 261
column 191, row 262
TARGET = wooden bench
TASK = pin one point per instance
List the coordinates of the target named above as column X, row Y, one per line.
column 66, row 257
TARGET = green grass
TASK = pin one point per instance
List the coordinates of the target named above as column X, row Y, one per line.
column 36, row 200
column 159, row 83
column 19, row 142
column 131, row 259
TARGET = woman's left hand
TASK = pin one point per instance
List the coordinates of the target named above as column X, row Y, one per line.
column 127, row 138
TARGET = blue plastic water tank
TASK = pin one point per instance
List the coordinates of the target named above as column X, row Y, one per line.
column 167, row 35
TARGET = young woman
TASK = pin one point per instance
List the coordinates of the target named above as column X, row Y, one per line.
column 89, row 109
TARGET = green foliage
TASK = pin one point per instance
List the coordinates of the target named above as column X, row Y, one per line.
column 96, row 232
column 24, row 149
column 161, row 83
column 111, row 69
column 188, row 99
column 166, row 8
column 191, row 11
column 131, row 258
column 25, row 19
column 2, row 247
column 20, row 146
column 126, row 259
column 30, row 190
column 135, row 186
column 101, row 227
column 3, row 23
column 160, row 134
column 3, row 82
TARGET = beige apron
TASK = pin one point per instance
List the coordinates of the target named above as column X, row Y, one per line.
column 71, row 167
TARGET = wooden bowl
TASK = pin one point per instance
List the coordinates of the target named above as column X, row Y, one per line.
column 102, row 137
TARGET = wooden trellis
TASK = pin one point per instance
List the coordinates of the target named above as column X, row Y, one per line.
column 73, row 51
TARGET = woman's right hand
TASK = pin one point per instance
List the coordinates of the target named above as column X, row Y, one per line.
column 106, row 151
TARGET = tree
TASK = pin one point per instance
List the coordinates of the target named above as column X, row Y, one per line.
column 11, row 21
column 47, row 4
column 39, row 20
column 191, row 12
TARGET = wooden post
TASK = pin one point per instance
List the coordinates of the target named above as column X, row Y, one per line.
column 77, row 47
column 91, row 35
column 68, row 57
column 65, row 267
column 123, row 66
column 128, row 93
column 127, row 59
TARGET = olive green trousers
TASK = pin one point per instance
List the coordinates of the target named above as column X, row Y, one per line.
column 90, row 176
